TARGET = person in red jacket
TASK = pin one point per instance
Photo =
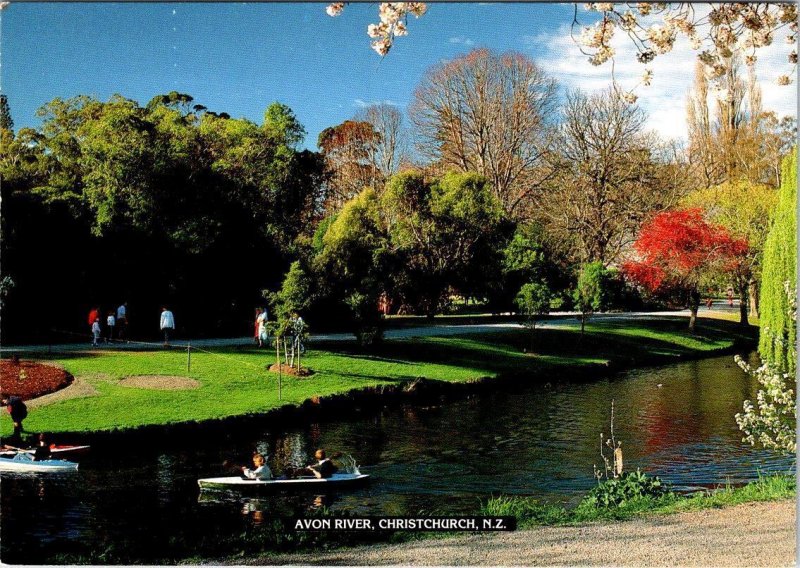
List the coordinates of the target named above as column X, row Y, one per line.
column 94, row 315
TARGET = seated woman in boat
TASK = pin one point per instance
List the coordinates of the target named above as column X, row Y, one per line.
column 261, row 471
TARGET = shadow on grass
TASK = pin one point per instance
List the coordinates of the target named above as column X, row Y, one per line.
column 619, row 342
column 55, row 355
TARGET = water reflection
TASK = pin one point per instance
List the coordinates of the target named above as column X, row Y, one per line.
column 676, row 422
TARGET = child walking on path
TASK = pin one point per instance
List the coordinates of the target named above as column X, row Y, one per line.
column 95, row 332
column 110, row 322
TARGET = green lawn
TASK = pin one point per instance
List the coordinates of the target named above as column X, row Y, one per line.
column 235, row 381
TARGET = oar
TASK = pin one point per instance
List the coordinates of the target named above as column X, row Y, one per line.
column 227, row 464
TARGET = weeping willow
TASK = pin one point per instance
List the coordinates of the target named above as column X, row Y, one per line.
column 779, row 281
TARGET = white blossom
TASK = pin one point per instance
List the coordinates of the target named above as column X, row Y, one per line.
column 627, row 21
column 382, row 46
column 335, row 9
column 772, row 421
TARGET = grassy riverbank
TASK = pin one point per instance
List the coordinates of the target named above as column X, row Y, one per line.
column 235, row 382
column 274, row 544
column 707, row 530
column 531, row 513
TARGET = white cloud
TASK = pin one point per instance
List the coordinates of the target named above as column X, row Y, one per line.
column 673, row 75
column 461, row 40
column 361, row 103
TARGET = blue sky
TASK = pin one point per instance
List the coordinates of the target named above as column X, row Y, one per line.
column 238, row 58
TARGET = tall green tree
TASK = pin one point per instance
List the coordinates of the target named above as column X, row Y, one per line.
column 6, row 122
column 779, row 275
column 446, row 235
column 144, row 199
column 354, row 263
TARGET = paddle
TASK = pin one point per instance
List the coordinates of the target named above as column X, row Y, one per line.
column 231, row 466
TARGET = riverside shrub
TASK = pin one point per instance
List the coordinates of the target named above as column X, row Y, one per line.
column 618, row 491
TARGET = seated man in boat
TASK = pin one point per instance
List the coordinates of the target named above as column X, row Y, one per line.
column 42, row 451
column 261, row 471
column 324, row 467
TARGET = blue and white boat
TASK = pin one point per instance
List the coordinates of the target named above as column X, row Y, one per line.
column 24, row 462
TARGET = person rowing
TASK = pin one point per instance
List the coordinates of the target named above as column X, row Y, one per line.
column 261, row 472
column 42, row 451
column 323, row 469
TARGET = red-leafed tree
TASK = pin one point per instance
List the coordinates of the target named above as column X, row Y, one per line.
column 677, row 249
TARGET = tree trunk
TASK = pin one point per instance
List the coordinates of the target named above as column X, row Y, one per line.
column 753, row 294
column 742, row 289
column 743, row 301
column 533, row 332
column 694, row 303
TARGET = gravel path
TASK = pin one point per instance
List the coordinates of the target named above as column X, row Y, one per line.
column 78, row 389
column 426, row 330
column 755, row 534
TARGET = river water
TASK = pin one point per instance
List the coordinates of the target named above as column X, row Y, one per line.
column 143, row 502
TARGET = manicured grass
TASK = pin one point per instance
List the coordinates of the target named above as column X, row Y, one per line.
column 236, row 382
column 531, row 513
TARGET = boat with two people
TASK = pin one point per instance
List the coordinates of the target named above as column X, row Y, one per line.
column 322, row 475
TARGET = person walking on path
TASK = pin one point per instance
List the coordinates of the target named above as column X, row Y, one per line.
column 94, row 314
column 110, row 323
column 167, row 324
column 255, row 327
column 261, row 327
column 96, row 332
column 122, row 319
column 18, row 411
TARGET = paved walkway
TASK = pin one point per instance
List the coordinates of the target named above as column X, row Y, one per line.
column 754, row 534
column 428, row 330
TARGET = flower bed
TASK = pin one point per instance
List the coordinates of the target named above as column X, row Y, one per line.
column 28, row 380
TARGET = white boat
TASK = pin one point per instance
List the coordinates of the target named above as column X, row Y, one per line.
column 237, row 483
column 25, row 462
